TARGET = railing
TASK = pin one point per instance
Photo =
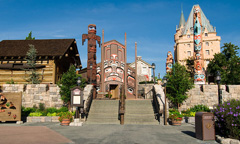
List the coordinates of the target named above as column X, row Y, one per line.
column 122, row 105
column 157, row 110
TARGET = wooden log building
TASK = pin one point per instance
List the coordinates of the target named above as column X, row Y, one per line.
column 54, row 57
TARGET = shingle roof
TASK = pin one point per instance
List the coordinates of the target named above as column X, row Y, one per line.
column 205, row 22
column 45, row 47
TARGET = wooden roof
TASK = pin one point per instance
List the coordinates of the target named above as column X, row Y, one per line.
column 45, row 47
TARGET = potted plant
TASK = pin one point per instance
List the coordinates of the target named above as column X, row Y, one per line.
column 176, row 119
column 65, row 118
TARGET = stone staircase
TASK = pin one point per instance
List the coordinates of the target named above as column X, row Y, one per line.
column 139, row 112
column 103, row 112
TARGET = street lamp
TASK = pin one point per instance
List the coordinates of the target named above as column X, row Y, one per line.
column 165, row 105
column 79, row 81
column 218, row 80
column 153, row 67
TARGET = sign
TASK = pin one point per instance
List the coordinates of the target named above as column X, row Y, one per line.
column 77, row 96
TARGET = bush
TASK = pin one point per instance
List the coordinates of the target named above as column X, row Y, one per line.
column 63, row 109
column 228, row 118
column 41, row 106
column 197, row 108
column 36, row 114
column 65, row 115
column 34, row 111
column 27, row 111
column 174, row 114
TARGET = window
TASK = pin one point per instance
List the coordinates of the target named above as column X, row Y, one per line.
column 189, row 45
column 144, row 70
column 207, row 52
column 206, row 34
column 189, row 53
column 207, row 43
column 188, row 36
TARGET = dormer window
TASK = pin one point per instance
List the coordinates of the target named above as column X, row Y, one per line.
column 207, row 43
column 188, row 36
column 206, row 34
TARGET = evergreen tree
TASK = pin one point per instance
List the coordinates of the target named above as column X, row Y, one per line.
column 68, row 81
column 228, row 63
column 31, row 62
column 29, row 37
column 179, row 83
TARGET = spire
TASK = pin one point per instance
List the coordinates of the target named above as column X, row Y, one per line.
column 182, row 19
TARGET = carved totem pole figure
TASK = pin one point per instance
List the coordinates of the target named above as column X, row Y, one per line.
column 169, row 62
column 199, row 72
column 91, row 63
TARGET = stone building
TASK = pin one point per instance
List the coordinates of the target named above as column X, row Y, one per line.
column 53, row 59
column 144, row 69
column 184, row 40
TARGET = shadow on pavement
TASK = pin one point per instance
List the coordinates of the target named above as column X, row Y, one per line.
column 190, row 133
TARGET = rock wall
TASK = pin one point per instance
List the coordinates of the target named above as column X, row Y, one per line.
column 33, row 94
column 208, row 95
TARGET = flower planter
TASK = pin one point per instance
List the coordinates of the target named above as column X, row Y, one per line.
column 65, row 122
column 176, row 123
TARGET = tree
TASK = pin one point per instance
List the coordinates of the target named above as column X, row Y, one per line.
column 31, row 62
column 179, row 83
column 190, row 66
column 68, row 81
column 228, row 63
column 29, row 37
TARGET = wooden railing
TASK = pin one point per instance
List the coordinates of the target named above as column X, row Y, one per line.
column 122, row 105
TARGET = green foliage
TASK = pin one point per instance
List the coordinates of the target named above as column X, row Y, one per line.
column 228, row 63
column 29, row 37
column 41, row 106
column 65, row 115
column 11, row 82
column 52, row 111
column 197, row 108
column 68, row 81
column 34, row 77
column 36, row 114
column 179, row 83
column 190, row 66
column 108, row 96
column 228, row 118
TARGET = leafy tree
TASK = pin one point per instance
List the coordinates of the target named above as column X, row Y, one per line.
column 228, row 63
column 31, row 62
column 190, row 66
column 179, row 82
column 29, row 37
column 68, row 81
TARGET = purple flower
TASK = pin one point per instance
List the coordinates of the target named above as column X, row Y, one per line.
column 222, row 116
column 230, row 108
column 232, row 124
column 228, row 103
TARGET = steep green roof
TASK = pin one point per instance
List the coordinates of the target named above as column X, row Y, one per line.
column 182, row 20
column 205, row 22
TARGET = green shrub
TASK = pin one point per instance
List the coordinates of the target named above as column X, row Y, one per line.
column 36, row 114
column 27, row 111
column 228, row 118
column 197, row 108
column 65, row 115
column 52, row 110
column 62, row 109
column 51, row 114
column 41, row 106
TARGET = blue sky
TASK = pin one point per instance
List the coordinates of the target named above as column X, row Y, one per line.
column 150, row 23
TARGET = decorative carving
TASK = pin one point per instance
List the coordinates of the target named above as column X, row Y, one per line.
column 169, row 62
column 199, row 72
column 91, row 63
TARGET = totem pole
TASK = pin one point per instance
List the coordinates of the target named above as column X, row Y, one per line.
column 199, row 72
column 169, row 62
column 91, row 63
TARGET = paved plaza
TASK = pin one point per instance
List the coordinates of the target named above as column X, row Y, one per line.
column 113, row 134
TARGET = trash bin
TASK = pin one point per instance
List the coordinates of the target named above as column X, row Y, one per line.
column 204, row 126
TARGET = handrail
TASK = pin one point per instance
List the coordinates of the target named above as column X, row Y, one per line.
column 156, row 104
column 122, row 105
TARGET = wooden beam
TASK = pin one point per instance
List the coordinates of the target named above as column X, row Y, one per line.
column 39, row 57
column 77, row 54
column 12, row 57
column 46, row 57
column 71, row 48
column 66, row 55
column 5, row 57
column 53, row 57
column 60, row 57
column 19, row 57
column 75, row 42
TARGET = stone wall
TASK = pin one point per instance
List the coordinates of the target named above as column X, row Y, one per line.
column 33, row 94
column 208, row 95
column 147, row 89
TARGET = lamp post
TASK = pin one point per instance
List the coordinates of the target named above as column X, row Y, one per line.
column 77, row 108
column 218, row 80
column 165, row 105
column 153, row 67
